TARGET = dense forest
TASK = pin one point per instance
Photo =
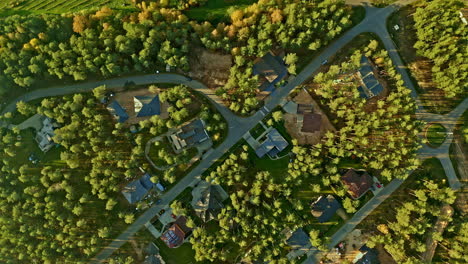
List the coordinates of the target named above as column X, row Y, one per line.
column 442, row 37
column 63, row 210
column 405, row 237
column 110, row 42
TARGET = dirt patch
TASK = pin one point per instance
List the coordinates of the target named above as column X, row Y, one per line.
column 294, row 122
column 125, row 99
column 212, row 68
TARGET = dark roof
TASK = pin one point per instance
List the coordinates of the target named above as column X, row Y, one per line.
column 175, row 235
column 137, row 189
column 372, row 86
column 312, row 122
column 371, row 256
column 210, row 203
column 118, row 111
column 325, row 207
column 147, row 105
column 274, row 144
column 304, row 108
column 272, row 68
column 134, row 191
column 194, row 132
column 358, row 182
column 299, row 240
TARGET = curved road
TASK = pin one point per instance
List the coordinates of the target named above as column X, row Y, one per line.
column 375, row 21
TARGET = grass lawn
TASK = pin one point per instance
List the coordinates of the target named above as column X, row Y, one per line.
column 435, row 134
column 216, row 11
column 11, row 7
column 181, row 255
column 257, row 131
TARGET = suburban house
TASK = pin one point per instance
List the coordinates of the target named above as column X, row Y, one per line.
column 117, row 111
column 207, row 200
column 44, row 135
column 370, row 86
column 311, row 122
column 325, row 207
column 358, row 182
column 176, row 234
column 367, row 256
column 271, row 69
column 299, row 242
column 273, row 144
column 137, row 189
column 152, row 255
column 189, row 135
column 135, row 107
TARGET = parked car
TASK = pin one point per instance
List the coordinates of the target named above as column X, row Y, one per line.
column 162, row 212
column 324, row 62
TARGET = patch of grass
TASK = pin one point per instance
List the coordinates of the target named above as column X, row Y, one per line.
column 257, row 131
column 435, row 134
column 181, row 255
column 216, row 11
column 25, row 7
column 382, row 3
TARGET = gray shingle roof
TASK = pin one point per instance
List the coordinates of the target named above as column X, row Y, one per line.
column 325, row 207
column 274, row 144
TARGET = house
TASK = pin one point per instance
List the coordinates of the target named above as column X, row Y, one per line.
column 272, row 145
column 152, row 255
column 137, row 189
column 367, row 255
column 311, row 122
column 272, row 69
column 370, row 86
column 325, row 207
column 118, row 111
column 45, row 134
column 357, row 182
column 147, row 105
column 299, row 242
column 189, row 135
column 176, row 234
column 207, row 200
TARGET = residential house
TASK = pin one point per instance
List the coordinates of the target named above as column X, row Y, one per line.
column 311, row 122
column 118, row 112
column 207, row 200
column 370, row 86
column 358, row 182
column 45, row 134
column 189, row 135
column 272, row 70
column 325, row 207
column 137, row 189
column 152, row 255
column 147, row 105
column 176, row 234
column 273, row 144
column 299, row 242
column 367, row 256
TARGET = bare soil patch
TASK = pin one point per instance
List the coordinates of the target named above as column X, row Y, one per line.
column 212, row 68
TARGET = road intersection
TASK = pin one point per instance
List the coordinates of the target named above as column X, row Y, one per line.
column 375, row 22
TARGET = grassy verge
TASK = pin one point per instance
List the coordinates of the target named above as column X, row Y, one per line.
column 436, row 134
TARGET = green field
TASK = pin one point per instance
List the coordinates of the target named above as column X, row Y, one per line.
column 10, row 7
column 216, row 11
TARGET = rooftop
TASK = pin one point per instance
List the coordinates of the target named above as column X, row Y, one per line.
column 299, row 240
column 311, row 122
column 325, row 207
column 118, row 111
column 147, row 105
column 208, row 202
column 272, row 68
column 137, row 189
column 358, row 182
column 189, row 135
column 273, row 144
column 175, row 235
column 370, row 86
